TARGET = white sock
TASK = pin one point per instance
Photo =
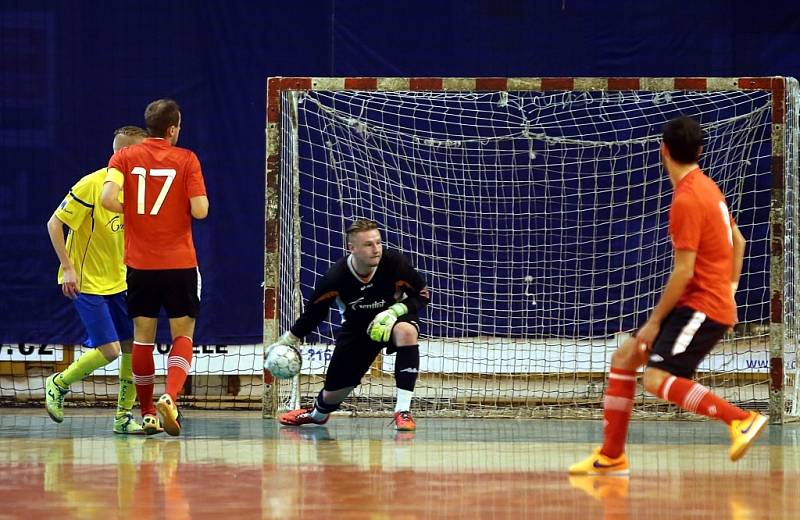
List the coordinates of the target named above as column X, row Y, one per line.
column 317, row 415
column 403, row 400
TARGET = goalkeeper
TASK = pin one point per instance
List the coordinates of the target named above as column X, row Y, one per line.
column 378, row 294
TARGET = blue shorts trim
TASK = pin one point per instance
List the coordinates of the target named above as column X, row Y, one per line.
column 105, row 318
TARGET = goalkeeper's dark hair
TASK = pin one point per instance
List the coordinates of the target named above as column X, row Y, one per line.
column 160, row 115
column 131, row 131
column 683, row 138
column 361, row 225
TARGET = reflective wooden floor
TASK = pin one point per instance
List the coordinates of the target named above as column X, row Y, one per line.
column 237, row 466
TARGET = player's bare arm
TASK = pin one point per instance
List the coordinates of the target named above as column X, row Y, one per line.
column 739, row 244
column 55, row 228
column 199, row 206
column 682, row 273
column 110, row 197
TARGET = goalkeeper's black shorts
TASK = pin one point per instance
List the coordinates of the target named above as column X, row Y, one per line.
column 355, row 352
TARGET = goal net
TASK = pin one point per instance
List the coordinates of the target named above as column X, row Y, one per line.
column 536, row 210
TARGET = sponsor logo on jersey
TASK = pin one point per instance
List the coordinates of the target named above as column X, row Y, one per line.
column 357, row 305
column 115, row 224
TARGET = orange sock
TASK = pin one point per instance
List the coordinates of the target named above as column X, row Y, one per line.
column 696, row 398
column 178, row 365
column 144, row 375
column 617, row 406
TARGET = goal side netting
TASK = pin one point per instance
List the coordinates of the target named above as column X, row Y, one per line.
column 536, row 210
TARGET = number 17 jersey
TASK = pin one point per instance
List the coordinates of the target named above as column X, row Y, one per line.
column 158, row 180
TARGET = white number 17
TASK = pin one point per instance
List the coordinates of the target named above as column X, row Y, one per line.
column 169, row 173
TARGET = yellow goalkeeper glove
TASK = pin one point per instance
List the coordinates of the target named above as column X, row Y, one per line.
column 380, row 329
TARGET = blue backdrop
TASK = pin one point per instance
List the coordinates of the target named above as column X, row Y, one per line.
column 72, row 71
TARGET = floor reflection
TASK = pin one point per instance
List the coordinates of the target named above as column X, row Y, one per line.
column 238, row 466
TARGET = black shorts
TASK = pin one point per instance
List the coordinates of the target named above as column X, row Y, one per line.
column 354, row 353
column 177, row 290
column 686, row 337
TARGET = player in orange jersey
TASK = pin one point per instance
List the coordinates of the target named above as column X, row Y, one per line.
column 163, row 189
column 695, row 310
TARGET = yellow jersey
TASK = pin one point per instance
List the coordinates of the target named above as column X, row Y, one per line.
column 95, row 241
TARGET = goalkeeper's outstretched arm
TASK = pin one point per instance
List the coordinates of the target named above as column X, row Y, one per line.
column 315, row 311
column 312, row 316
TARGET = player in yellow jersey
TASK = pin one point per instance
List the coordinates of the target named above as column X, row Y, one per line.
column 92, row 274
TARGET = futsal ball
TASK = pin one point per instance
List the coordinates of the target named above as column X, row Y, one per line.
column 283, row 361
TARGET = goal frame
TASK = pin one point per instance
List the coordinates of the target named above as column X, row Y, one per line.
column 777, row 86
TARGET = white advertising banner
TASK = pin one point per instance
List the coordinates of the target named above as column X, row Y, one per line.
column 453, row 356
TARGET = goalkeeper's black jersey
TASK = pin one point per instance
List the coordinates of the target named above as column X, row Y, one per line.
column 360, row 300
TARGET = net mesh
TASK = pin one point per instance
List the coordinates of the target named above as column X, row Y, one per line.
column 538, row 219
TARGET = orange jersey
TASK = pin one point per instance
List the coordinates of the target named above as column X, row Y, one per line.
column 158, row 180
column 699, row 221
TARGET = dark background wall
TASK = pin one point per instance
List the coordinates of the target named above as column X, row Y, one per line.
column 73, row 71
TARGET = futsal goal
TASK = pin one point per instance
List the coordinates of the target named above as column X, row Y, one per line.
column 536, row 209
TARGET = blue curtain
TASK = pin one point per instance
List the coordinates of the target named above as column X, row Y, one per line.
column 72, row 72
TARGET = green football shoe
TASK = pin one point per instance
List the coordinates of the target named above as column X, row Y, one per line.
column 54, row 399
column 125, row 425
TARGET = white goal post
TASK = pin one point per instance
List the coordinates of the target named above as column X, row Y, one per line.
column 536, row 209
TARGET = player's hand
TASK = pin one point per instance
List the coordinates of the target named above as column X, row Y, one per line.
column 287, row 338
column 647, row 334
column 70, row 285
column 380, row 329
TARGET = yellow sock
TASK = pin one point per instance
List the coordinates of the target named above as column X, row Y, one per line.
column 81, row 367
column 127, row 390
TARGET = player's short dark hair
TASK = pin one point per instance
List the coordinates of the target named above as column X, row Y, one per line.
column 160, row 115
column 131, row 131
column 683, row 138
column 361, row 225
